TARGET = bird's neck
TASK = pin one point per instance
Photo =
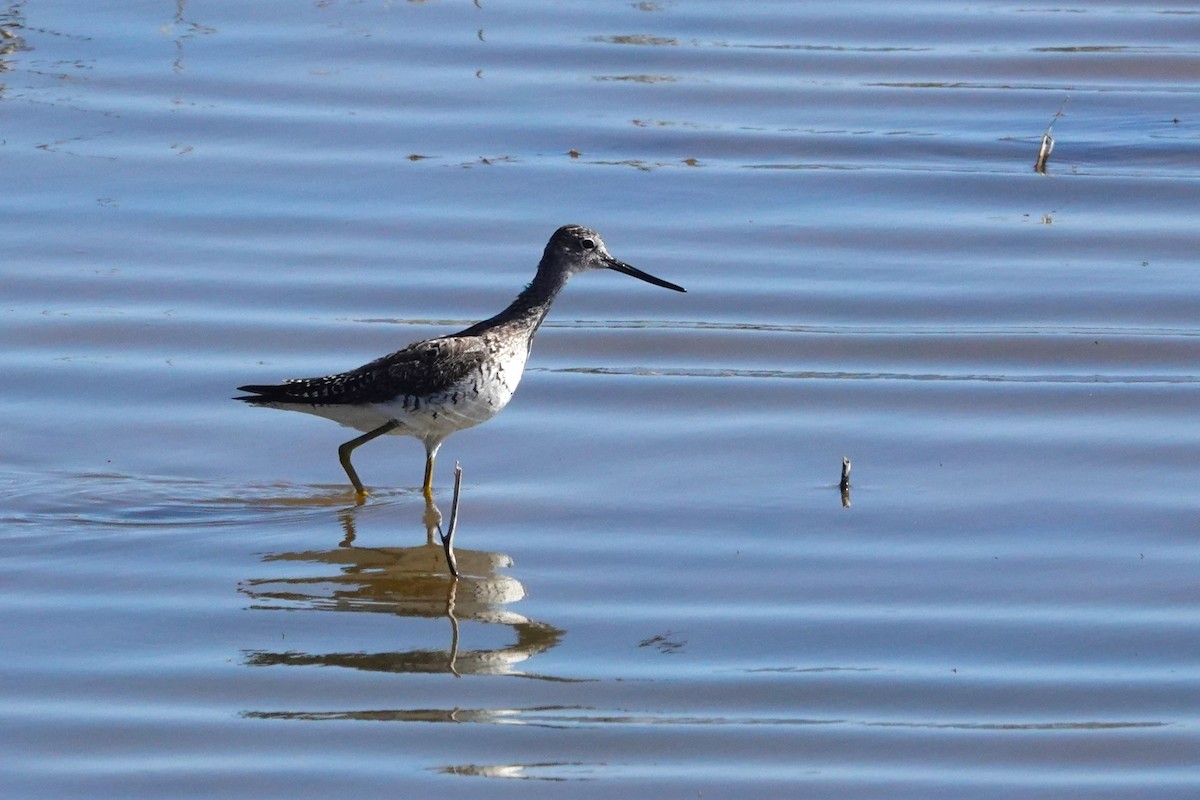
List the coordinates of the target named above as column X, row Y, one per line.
column 529, row 309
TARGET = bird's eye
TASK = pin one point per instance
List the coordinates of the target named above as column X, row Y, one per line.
column 587, row 244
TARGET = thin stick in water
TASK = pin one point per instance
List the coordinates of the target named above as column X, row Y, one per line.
column 1048, row 140
column 448, row 539
column 844, row 484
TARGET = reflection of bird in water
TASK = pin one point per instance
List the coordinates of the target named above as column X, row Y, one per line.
column 434, row 388
column 405, row 582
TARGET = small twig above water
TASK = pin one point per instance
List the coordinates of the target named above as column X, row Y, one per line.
column 844, row 483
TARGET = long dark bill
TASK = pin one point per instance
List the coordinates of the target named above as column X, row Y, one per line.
column 621, row 266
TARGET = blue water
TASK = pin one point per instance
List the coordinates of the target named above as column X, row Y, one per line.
column 664, row 592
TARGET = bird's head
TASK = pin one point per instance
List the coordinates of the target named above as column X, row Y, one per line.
column 574, row 248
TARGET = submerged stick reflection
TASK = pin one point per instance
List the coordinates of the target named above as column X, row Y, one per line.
column 409, row 583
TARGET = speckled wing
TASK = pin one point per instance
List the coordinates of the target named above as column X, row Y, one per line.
column 419, row 370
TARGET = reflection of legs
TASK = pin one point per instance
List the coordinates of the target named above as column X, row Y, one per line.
column 345, row 450
column 433, row 521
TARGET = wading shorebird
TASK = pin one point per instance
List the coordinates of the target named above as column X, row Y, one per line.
column 436, row 387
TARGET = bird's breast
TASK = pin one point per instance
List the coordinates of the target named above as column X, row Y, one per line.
column 477, row 397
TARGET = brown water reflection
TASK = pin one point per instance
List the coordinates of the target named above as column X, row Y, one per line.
column 406, row 582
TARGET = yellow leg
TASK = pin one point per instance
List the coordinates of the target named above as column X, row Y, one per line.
column 346, row 449
column 428, row 488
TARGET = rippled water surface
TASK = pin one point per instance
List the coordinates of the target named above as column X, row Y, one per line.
column 664, row 593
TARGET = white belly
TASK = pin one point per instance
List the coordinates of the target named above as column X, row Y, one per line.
column 475, row 399
column 470, row 402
